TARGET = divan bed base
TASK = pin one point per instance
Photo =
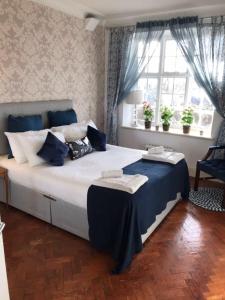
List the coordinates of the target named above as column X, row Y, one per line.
column 62, row 214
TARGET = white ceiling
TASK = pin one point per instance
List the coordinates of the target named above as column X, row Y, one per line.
column 110, row 8
column 117, row 12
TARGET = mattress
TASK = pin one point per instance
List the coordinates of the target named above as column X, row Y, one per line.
column 70, row 182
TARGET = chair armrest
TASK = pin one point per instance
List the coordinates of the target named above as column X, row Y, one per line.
column 211, row 149
column 217, row 147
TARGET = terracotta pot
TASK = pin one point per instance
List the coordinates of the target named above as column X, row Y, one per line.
column 186, row 129
column 166, row 127
column 148, row 124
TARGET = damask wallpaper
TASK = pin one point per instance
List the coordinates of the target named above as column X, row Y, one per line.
column 46, row 55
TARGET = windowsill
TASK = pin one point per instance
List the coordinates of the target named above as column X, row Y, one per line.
column 178, row 132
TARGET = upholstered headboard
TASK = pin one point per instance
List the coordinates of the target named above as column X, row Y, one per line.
column 27, row 108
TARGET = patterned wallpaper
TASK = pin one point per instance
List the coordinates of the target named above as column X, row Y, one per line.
column 46, row 55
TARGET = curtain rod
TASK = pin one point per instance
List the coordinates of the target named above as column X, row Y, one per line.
column 220, row 16
column 200, row 18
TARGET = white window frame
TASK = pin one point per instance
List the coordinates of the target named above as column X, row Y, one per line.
column 161, row 74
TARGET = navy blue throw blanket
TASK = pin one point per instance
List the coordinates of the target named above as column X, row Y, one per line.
column 117, row 219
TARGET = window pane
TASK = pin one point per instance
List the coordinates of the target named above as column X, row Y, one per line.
column 153, row 65
column 178, row 101
column 149, row 87
column 194, row 94
column 179, row 52
column 170, row 64
column 151, row 59
column 154, row 49
column 181, row 66
column 203, row 108
column 197, row 97
column 176, row 118
column 142, row 84
column 179, row 86
column 207, row 104
column 140, row 49
column 196, row 118
column 174, row 60
column 152, row 89
column 171, row 48
column 206, row 119
column 166, row 99
column 167, row 85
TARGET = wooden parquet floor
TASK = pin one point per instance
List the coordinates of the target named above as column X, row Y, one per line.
column 183, row 259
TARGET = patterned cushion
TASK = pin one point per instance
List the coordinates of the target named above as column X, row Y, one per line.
column 79, row 148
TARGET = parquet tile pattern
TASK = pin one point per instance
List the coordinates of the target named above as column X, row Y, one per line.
column 183, row 259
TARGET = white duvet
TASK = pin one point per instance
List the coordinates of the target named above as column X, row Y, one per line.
column 71, row 181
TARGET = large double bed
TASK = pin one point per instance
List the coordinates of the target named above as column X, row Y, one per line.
column 59, row 195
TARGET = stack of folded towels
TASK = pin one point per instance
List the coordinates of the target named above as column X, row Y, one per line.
column 115, row 179
column 159, row 154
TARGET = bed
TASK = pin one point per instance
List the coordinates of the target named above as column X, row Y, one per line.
column 45, row 192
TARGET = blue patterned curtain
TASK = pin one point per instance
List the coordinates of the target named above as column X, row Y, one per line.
column 203, row 44
column 126, row 64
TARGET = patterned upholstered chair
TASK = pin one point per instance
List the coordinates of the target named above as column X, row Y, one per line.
column 214, row 167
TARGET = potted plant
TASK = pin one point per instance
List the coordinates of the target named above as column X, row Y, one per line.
column 187, row 119
column 148, row 114
column 166, row 116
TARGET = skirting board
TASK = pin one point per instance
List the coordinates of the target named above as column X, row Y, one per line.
column 62, row 214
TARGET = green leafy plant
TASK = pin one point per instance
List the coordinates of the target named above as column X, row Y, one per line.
column 147, row 111
column 187, row 117
column 166, row 115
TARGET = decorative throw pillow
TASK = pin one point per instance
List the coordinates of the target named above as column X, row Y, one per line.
column 23, row 123
column 53, row 151
column 97, row 139
column 75, row 131
column 33, row 143
column 64, row 117
column 79, row 148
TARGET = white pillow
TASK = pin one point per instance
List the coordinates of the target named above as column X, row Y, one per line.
column 15, row 145
column 17, row 150
column 92, row 124
column 32, row 144
column 75, row 131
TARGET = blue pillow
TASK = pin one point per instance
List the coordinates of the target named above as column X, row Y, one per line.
column 59, row 118
column 96, row 138
column 53, row 151
column 23, row 123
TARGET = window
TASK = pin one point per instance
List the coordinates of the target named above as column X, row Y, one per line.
column 168, row 82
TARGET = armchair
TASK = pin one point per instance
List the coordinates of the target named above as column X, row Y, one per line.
column 213, row 167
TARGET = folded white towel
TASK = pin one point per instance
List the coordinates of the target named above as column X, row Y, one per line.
column 156, row 150
column 112, row 173
column 126, row 183
column 169, row 157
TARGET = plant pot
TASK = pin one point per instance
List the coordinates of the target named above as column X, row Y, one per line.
column 166, row 127
column 186, row 129
column 148, row 124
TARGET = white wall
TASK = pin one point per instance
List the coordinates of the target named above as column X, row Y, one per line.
column 194, row 148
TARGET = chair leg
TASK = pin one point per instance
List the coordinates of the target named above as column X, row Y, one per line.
column 197, row 176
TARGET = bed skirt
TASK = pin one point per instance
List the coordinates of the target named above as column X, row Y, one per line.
column 62, row 214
